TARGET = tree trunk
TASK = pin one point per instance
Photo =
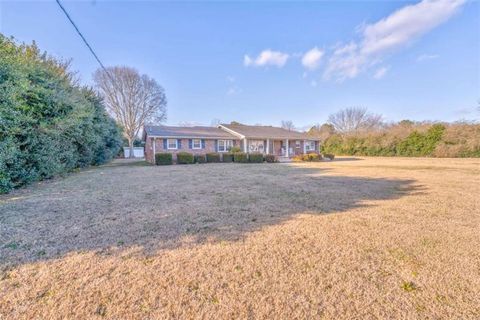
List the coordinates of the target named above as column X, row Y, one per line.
column 130, row 144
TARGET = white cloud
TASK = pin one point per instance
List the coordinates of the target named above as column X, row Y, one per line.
column 234, row 90
column 311, row 59
column 267, row 58
column 424, row 57
column 380, row 73
column 387, row 35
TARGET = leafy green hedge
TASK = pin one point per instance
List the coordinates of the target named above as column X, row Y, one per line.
column 241, row 157
column 164, row 158
column 49, row 125
column 270, row 158
column 213, row 157
column 227, row 157
column 200, row 158
column 185, row 158
column 255, row 157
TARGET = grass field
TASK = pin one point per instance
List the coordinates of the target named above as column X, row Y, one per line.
column 353, row 238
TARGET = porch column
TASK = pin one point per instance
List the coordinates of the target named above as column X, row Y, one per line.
column 268, row 146
column 304, row 146
column 287, row 153
column 154, row 143
column 245, row 145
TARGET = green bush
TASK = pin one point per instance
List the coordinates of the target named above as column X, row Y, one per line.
column 213, row 157
column 241, row 157
column 235, row 149
column 421, row 144
column 163, row 158
column 270, row 158
column 329, row 156
column 200, row 158
column 184, row 158
column 227, row 157
column 49, row 124
column 255, row 157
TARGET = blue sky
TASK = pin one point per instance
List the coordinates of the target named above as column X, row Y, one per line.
column 263, row 62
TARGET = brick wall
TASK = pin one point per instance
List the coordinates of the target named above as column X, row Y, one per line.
column 210, row 147
column 159, row 147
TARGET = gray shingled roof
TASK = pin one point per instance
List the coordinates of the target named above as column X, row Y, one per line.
column 264, row 132
column 187, row 132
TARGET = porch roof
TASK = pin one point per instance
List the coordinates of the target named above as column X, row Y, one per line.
column 265, row 132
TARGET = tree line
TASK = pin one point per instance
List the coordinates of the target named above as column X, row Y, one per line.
column 355, row 131
column 49, row 123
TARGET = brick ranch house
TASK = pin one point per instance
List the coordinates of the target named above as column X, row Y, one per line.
column 201, row 140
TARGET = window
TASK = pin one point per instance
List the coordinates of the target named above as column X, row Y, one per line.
column 256, row 145
column 172, row 144
column 297, row 144
column 309, row 146
column 197, row 144
column 224, row 145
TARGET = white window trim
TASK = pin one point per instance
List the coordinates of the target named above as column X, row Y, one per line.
column 225, row 145
column 200, row 144
column 168, row 144
column 308, row 144
column 256, row 142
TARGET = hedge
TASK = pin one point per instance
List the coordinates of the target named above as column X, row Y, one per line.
column 255, row 157
column 200, row 158
column 213, row 157
column 270, row 158
column 49, row 124
column 185, row 158
column 227, row 157
column 163, row 158
column 329, row 156
column 241, row 157
column 410, row 139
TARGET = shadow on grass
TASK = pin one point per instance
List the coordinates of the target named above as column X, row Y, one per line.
column 166, row 207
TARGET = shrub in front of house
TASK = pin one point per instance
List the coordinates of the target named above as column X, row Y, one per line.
column 213, row 157
column 270, row 158
column 297, row 158
column 255, row 157
column 227, row 157
column 185, row 158
column 314, row 157
column 200, row 158
column 235, row 149
column 241, row 157
column 311, row 157
column 329, row 156
column 163, row 158
column 305, row 157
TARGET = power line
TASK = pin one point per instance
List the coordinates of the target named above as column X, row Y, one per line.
column 83, row 38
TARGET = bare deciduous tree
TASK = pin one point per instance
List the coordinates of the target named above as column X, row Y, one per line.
column 323, row 132
column 288, row 124
column 351, row 120
column 132, row 99
column 215, row 122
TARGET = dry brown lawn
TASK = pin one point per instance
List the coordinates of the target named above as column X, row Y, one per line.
column 374, row 238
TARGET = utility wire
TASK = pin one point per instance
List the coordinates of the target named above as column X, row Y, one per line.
column 83, row 38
